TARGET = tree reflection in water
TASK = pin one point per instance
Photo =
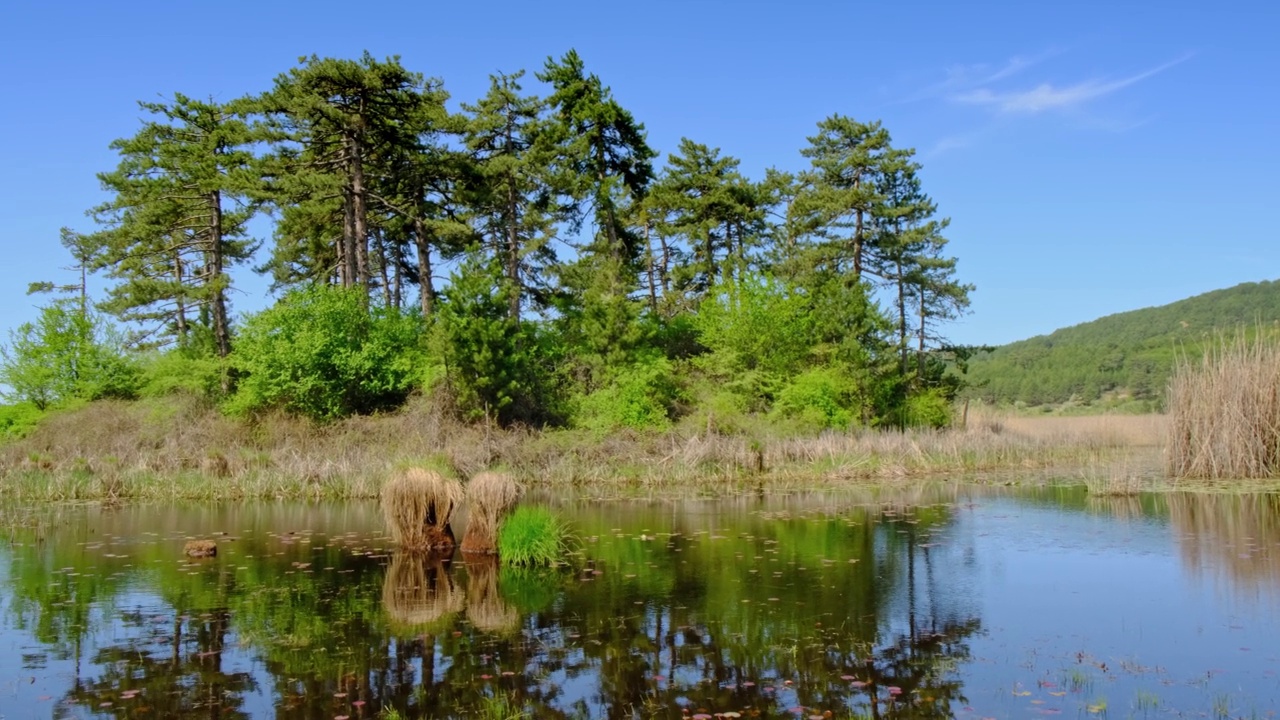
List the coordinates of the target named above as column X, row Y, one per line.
column 673, row 610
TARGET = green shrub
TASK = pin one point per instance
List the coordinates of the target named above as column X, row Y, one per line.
column 19, row 419
column 66, row 355
column 532, row 536
column 640, row 396
column 817, row 399
column 927, row 409
column 756, row 322
column 176, row 372
column 323, row 353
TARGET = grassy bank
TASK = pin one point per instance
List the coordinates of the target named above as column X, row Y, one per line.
column 182, row 449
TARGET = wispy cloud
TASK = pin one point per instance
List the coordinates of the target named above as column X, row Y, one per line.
column 1047, row 96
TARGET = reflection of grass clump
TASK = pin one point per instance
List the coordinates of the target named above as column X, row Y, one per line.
column 418, row 593
column 485, row 606
column 533, row 536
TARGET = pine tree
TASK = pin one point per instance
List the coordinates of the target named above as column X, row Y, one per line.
column 847, row 161
column 177, row 220
column 702, row 198
column 332, row 122
column 514, row 202
column 602, row 157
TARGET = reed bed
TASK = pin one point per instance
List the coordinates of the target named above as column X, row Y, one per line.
column 1225, row 411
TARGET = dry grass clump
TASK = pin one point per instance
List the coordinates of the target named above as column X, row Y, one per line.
column 417, row 504
column 418, row 592
column 486, row 609
column 490, row 495
column 1225, row 411
column 1113, row 479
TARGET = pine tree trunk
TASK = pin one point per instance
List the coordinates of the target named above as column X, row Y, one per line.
column 382, row 270
column 425, row 288
column 902, row 318
column 653, row 271
column 221, row 329
column 347, row 246
column 920, row 346
column 360, row 216
column 513, row 250
column 180, row 318
column 612, row 220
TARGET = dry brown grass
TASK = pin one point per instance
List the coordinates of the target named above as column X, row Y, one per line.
column 1225, row 411
column 417, row 504
column 418, row 592
column 490, row 496
column 169, row 450
column 486, row 609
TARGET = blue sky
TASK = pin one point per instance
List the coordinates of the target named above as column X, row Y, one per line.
column 1093, row 157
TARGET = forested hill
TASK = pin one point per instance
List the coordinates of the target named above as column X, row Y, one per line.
column 1128, row 354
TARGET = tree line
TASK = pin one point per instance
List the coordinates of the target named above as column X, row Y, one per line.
column 585, row 286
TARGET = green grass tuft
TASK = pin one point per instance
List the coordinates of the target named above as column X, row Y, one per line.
column 533, row 536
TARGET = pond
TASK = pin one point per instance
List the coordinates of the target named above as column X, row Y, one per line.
column 956, row 601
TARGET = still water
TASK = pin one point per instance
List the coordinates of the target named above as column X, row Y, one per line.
column 952, row 602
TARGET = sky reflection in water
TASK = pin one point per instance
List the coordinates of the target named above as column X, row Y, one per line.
column 956, row 602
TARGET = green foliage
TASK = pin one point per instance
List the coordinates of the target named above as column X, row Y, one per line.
column 65, row 354
column 818, row 399
column 322, row 353
column 756, row 322
column 929, row 408
column 176, row 221
column 533, row 536
column 19, row 419
column 640, row 396
column 180, row 372
column 1129, row 354
column 490, row 355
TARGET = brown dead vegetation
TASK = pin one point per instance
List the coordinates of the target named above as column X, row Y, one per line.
column 489, row 497
column 166, row 450
column 418, row 504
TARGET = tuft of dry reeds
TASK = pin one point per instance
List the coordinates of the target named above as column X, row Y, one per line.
column 417, row 504
column 1225, row 411
column 418, row 592
column 486, row 609
column 490, row 496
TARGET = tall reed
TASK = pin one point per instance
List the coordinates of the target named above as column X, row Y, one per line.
column 1225, row 411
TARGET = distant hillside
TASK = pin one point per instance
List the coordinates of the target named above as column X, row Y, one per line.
column 1127, row 355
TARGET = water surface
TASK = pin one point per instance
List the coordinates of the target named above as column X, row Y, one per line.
column 955, row 602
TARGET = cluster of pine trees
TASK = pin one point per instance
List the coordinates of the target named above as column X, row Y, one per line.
column 584, row 286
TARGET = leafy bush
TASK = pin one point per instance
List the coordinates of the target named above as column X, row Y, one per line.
column 532, row 536
column 19, row 419
column 177, row 372
column 65, row 355
column 927, row 409
column 817, row 399
column 640, row 396
column 323, row 353
column 758, row 322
